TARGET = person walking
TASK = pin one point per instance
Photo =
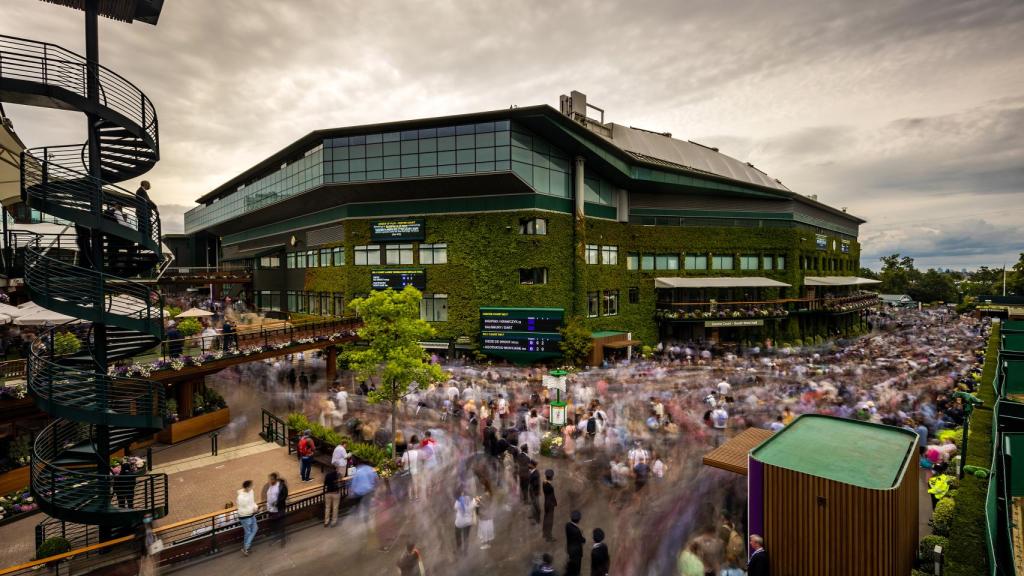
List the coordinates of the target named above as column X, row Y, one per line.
column 277, row 500
column 550, row 502
column 245, row 503
column 411, row 563
column 364, row 482
column 758, row 563
column 339, row 459
column 463, row 519
column 533, row 484
column 574, row 541
column 485, row 520
column 306, row 449
column 411, row 461
column 332, row 497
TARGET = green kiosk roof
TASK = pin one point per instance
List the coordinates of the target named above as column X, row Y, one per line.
column 850, row 451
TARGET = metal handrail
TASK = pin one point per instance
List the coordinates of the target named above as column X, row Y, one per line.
column 264, row 338
column 114, row 400
column 72, row 189
column 55, row 66
column 64, row 487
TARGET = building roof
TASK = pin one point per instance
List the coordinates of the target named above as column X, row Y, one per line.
column 838, row 281
column 863, row 454
column 732, row 455
column 719, row 282
column 663, row 149
column 629, row 145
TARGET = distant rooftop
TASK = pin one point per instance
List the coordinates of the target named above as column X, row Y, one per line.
column 863, row 454
column 147, row 11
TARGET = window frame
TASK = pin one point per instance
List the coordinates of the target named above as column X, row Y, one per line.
column 366, row 251
column 610, row 255
column 592, row 253
column 428, row 253
column 529, row 227
column 543, row 273
column 610, row 303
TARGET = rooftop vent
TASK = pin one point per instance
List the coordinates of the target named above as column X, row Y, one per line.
column 813, row 197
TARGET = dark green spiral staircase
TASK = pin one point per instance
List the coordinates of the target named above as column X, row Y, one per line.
column 95, row 415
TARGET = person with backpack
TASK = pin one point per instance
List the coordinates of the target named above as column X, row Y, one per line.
column 306, row 449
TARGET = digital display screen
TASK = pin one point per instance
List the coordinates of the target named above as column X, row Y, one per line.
column 522, row 319
column 821, row 241
column 520, row 342
column 408, row 230
column 845, row 246
column 398, row 279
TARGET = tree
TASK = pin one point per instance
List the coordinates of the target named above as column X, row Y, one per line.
column 898, row 274
column 393, row 330
column 1015, row 279
column 576, row 343
column 868, row 273
column 189, row 327
column 934, row 286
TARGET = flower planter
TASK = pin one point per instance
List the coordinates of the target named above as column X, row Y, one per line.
column 195, row 426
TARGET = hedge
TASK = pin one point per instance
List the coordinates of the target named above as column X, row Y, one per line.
column 967, row 554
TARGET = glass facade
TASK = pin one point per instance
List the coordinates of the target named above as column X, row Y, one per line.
column 293, row 178
column 500, row 146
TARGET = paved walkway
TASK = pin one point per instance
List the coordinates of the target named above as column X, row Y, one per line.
column 196, row 486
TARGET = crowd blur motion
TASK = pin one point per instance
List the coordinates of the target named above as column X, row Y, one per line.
column 484, row 479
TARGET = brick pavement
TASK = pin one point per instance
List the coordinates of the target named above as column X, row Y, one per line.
column 196, row 486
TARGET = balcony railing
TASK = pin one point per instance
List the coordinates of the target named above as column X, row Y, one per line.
column 779, row 308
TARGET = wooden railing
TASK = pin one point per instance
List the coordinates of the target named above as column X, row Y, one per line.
column 12, row 369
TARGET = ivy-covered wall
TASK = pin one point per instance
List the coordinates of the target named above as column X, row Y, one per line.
column 486, row 251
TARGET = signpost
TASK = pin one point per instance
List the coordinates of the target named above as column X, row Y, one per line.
column 406, row 230
column 556, row 381
column 398, row 278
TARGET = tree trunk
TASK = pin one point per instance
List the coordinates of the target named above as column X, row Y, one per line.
column 394, row 417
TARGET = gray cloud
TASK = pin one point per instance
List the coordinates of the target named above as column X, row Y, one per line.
column 904, row 109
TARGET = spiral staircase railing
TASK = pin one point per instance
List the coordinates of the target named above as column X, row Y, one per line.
column 96, row 414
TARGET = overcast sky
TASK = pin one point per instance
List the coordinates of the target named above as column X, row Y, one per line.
column 911, row 114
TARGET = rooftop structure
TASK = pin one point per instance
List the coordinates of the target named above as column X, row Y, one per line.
column 847, row 451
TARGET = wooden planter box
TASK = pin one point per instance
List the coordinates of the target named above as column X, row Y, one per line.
column 195, row 426
column 14, row 480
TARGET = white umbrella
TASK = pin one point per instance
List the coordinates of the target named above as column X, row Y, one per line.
column 5, row 319
column 13, row 311
column 42, row 316
column 29, row 305
column 194, row 313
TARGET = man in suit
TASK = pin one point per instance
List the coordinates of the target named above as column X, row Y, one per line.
column 523, row 468
column 574, row 542
column 600, row 560
column 758, row 564
column 533, row 487
column 549, row 504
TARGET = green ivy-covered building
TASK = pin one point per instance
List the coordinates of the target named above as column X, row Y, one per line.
column 625, row 229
